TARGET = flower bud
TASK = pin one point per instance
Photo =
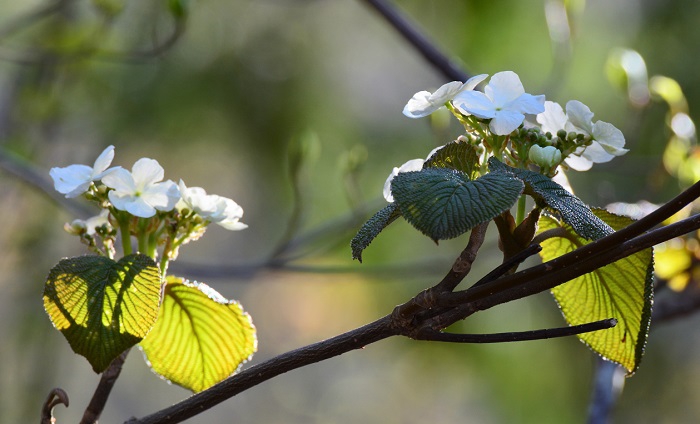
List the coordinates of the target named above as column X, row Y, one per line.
column 545, row 157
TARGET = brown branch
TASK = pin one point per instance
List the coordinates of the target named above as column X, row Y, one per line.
column 547, row 333
column 355, row 339
column 101, row 394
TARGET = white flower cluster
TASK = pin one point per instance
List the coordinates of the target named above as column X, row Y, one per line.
column 142, row 192
column 570, row 137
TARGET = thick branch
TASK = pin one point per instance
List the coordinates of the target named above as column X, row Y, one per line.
column 355, row 339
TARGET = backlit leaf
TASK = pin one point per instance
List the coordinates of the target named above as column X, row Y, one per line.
column 621, row 290
column 460, row 156
column 443, row 203
column 103, row 307
column 200, row 338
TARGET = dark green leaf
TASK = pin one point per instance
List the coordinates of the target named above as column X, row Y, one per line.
column 572, row 210
column 103, row 307
column 456, row 155
column 372, row 228
column 200, row 338
column 621, row 290
column 443, row 203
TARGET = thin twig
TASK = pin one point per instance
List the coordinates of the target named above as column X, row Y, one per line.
column 509, row 263
column 101, row 394
column 426, row 48
column 56, row 396
column 547, row 333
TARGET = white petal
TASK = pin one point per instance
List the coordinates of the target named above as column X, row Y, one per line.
column 103, row 160
column 473, row 82
column 120, row 180
column 553, row 118
column 610, row 138
column 578, row 163
column 120, row 199
column 596, row 154
column 162, row 196
column 445, row 93
column 580, row 116
column 139, row 207
column 412, row 165
column 475, row 103
column 71, row 179
column 503, row 88
column 233, row 225
column 387, row 185
column 419, row 105
column 505, row 122
column 527, row 104
column 146, row 172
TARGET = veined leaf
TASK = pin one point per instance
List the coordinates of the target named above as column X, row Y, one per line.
column 572, row 210
column 460, row 156
column 200, row 338
column 443, row 203
column 621, row 290
column 103, row 307
column 371, row 229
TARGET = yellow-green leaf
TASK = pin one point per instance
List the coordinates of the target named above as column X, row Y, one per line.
column 621, row 290
column 103, row 307
column 200, row 338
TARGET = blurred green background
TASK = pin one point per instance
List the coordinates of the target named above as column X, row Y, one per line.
column 248, row 82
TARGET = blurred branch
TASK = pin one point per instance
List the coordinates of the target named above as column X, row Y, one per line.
column 23, row 22
column 420, row 42
column 35, row 178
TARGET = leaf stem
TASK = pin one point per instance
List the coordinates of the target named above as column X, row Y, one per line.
column 104, row 387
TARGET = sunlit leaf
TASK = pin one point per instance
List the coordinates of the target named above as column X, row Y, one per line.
column 621, row 290
column 200, row 338
column 443, row 203
column 572, row 210
column 460, row 156
column 103, row 307
column 371, row 229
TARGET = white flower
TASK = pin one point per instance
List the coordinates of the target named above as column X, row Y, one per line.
column 504, row 101
column 217, row 209
column 139, row 192
column 545, row 157
column 75, row 180
column 608, row 141
column 424, row 103
column 411, row 165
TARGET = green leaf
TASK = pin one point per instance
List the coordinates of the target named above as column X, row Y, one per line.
column 621, row 290
column 200, row 338
column 443, row 203
column 103, row 307
column 456, row 155
column 572, row 210
column 371, row 229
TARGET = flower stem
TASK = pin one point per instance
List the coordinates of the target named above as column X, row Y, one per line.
column 125, row 232
column 520, row 214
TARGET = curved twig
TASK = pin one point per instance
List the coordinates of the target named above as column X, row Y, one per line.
column 56, row 396
column 547, row 333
